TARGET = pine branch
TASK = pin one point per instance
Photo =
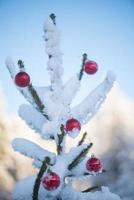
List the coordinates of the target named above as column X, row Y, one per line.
column 43, row 168
column 82, row 139
column 85, row 174
column 37, row 100
column 83, row 64
column 92, row 189
column 60, row 139
column 32, row 91
column 80, row 157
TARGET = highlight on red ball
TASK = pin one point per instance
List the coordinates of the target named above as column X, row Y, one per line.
column 93, row 164
column 50, row 181
column 72, row 124
column 91, row 67
column 22, row 79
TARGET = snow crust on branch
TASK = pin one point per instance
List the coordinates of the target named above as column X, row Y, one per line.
column 52, row 38
column 32, row 117
column 32, row 150
column 70, row 89
column 11, row 67
column 90, row 105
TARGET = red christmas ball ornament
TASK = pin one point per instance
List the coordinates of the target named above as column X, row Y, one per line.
column 91, row 67
column 51, row 181
column 93, row 164
column 22, row 79
column 71, row 124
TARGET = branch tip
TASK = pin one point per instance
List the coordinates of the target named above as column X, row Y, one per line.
column 60, row 139
column 84, row 56
column 20, row 63
column 82, row 67
column 53, row 17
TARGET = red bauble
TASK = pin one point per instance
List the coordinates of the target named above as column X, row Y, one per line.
column 93, row 164
column 22, row 79
column 71, row 124
column 51, row 181
column 91, row 67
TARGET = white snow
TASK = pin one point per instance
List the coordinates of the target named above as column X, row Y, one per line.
column 74, row 133
column 11, row 67
column 32, row 150
column 70, row 89
column 32, row 117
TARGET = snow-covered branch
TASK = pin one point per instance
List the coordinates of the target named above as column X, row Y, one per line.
column 11, row 67
column 32, row 150
column 77, row 154
column 12, row 70
column 52, row 38
column 70, row 89
column 72, row 86
column 32, row 117
column 28, row 92
column 90, row 105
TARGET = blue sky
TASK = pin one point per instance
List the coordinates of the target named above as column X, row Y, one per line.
column 103, row 29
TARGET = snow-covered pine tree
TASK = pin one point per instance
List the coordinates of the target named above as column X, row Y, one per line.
column 51, row 115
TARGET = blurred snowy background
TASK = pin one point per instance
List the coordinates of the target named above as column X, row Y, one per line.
column 106, row 33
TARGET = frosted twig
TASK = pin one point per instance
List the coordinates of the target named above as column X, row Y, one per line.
column 43, row 168
column 52, row 44
column 60, row 139
column 83, row 64
column 79, row 157
column 94, row 188
column 85, row 174
column 37, row 100
column 82, row 139
column 21, row 64
column 53, row 16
